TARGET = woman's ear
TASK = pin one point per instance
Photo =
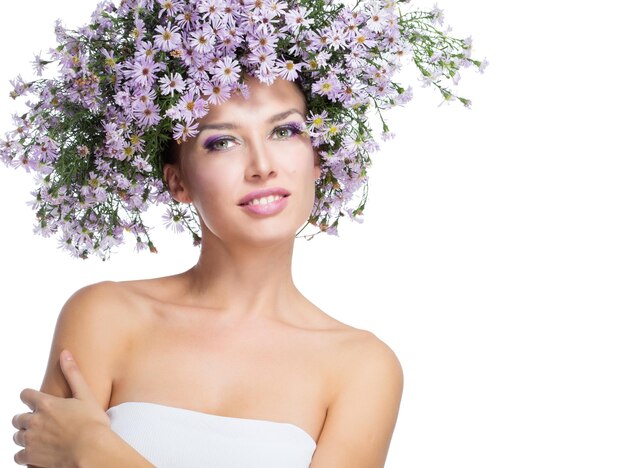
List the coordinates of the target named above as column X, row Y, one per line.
column 318, row 169
column 175, row 184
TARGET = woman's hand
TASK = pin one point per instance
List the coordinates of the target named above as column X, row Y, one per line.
column 58, row 429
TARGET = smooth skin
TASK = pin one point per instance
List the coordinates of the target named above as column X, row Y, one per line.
column 231, row 336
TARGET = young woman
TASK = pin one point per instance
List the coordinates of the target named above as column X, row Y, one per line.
column 226, row 364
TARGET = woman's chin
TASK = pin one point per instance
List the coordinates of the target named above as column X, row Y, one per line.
column 261, row 234
column 261, row 242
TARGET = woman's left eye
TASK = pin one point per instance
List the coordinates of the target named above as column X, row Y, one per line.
column 287, row 131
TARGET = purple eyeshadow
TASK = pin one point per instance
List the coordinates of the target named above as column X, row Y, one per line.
column 296, row 127
column 209, row 141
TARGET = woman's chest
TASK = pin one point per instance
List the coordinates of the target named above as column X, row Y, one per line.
column 270, row 374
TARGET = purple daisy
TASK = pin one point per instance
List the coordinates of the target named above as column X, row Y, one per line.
column 143, row 71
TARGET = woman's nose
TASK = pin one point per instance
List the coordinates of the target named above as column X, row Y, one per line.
column 260, row 162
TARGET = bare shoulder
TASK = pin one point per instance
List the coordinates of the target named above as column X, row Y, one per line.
column 363, row 411
column 374, row 351
column 93, row 324
column 359, row 341
column 107, row 306
column 357, row 349
column 364, row 354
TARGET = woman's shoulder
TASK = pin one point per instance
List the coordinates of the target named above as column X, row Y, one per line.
column 359, row 345
column 352, row 348
column 130, row 304
column 104, row 307
column 115, row 308
column 98, row 297
column 109, row 290
column 361, row 360
column 347, row 336
column 94, row 300
column 94, row 325
column 97, row 292
column 110, row 295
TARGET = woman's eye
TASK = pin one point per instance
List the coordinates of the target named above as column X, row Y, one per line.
column 287, row 131
column 220, row 144
column 282, row 133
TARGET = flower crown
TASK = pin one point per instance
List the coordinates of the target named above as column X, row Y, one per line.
column 143, row 72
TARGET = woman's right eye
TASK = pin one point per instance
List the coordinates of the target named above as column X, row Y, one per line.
column 218, row 144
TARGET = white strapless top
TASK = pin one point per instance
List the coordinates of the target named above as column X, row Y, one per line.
column 171, row 437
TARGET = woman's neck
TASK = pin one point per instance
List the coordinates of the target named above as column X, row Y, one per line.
column 243, row 281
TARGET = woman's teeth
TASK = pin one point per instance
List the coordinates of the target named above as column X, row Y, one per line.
column 265, row 200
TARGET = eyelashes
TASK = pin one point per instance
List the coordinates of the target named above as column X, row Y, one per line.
column 295, row 128
column 215, row 143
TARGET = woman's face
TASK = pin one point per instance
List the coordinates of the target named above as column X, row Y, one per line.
column 250, row 172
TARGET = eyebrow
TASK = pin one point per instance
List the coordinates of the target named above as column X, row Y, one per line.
column 230, row 126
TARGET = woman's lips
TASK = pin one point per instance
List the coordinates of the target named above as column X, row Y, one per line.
column 266, row 207
column 264, row 193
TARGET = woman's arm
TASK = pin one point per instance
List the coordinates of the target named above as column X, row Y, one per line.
column 362, row 416
column 92, row 326
column 95, row 327
column 70, row 432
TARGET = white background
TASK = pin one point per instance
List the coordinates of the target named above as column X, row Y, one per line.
column 492, row 259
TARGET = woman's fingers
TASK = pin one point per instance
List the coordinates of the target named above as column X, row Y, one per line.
column 52, row 432
column 22, row 420
column 31, row 397
column 19, row 438
column 20, row 457
column 76, row 381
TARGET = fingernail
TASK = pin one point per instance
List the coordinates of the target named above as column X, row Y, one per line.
column 68, row 356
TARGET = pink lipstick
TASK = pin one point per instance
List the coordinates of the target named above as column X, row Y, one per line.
column 265, row 202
